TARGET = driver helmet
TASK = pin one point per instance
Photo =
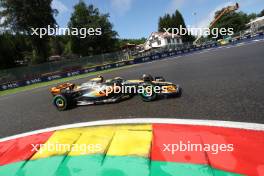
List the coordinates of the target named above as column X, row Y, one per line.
column 100, row 79
column 147, row 78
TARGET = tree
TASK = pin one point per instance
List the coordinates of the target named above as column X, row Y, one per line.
column 235, row 20
column 261, row 13
column 89, row 17
column 20, row 16
column 123, row 42
column 56, row 46
column 174, row 21
column 7, row 58
column 179, row 21
column 252, row 16
column 12, row 48
column 164, row 22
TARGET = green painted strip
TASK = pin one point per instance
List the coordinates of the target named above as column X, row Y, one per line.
column 81, row 165
column 179, row 169
column 41, row 167
column 99, row 165
column 11, row 169
column 159, row 168
column 92, row 165
column 125, row 166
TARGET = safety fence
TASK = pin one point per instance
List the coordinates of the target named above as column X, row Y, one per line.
column 83, row 65
column 50, row 68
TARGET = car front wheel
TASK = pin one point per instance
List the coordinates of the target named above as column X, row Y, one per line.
column 60, row 102
column 148, row 93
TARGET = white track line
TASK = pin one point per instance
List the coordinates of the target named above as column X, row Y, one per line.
column 215, row 123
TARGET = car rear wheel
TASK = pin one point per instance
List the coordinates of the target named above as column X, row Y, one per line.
column 60, row 102
column 179, row 94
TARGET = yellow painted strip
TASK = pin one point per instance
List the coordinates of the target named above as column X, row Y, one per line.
column 127, row 143
column 97, row 140
column 58, row 144
column 144, row 127
column 105, row 128
column 93, row 141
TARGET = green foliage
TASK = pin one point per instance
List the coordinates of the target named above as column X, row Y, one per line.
column 174, row 21
column 165, row 22
column 13, row 48
column 252, row 16
column 20, row 16
column 7, row 58
column 67, row 48
column 89, row 17
column 56, row 45
column 261, row 13
column 235, row 20
column 123, row 42
column 16, row 43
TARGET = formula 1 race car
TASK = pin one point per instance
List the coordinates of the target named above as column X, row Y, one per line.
column 98, row 91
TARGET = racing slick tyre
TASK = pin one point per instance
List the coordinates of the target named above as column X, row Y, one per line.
column 148, row 93
column 179, row 94
column 61, row 102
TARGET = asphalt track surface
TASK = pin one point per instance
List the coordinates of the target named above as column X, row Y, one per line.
column 219, row 84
